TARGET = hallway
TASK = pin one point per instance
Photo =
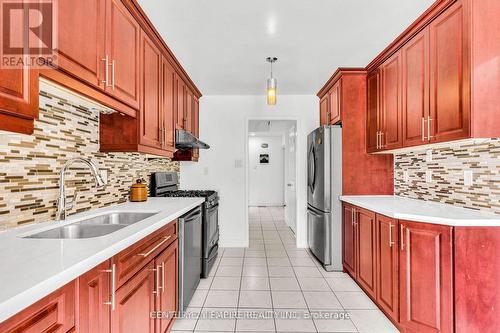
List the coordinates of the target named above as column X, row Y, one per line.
column 272, row 286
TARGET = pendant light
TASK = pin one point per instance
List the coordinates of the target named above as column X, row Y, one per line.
column 271, row 84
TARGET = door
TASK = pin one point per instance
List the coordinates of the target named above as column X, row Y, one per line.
column 319, row 235
column 318, row 180
column 94, row 310
column 365, row 225
column 123, row 35
column 135, row 301
column 168, row 106
column 86, row 63
column 349, row 240
column 335, row 103
column 324, row 116
column 290, row 190
column 387, row 277
column 196, row 124
column 391, row 120
column 151, row 117
column 415, row 57
column 373, row 114
column 188, row 115
column 449, row 74
column 168, row 274
column 181, row 104
column 18, row 99
column 426, row 277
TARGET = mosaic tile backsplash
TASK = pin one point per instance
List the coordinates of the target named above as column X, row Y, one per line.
column 30, row 165
column 448, row 166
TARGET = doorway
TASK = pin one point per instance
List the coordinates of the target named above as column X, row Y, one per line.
column 272, row 168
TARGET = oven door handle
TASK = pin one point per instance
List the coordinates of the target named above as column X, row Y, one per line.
column 191, row 215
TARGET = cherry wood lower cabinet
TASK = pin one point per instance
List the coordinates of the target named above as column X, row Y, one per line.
column 365, row 224
column 54, row 313
column 167, row 268
column 349, row 240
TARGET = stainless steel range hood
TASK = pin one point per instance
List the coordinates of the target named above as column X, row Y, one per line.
column 185, row 140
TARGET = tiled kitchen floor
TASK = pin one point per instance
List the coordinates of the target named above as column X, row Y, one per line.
column 247, row 285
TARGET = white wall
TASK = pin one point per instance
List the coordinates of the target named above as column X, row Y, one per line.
column 266, row 181
column 223, row 121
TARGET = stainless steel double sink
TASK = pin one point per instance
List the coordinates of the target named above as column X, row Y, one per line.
column 93, row 227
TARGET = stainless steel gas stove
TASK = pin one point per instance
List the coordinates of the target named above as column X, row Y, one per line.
column 165, row 184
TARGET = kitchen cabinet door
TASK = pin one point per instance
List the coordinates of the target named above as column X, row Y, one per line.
column 94, row 309
column 196, row 125
column 449, row 76
column 334, row 104
column 81, row 51
column 387, row 266
column 365, row 225
column 392, row 134
column 324, row 114
column 54, row 313
column 123, row 35
column 349, row 240
column 167, row 266
column 189, row 111
column 181, row 104
column 373, row 112
column 426, row 294
column 151, row 117
column 18, row 100
column 415, row 57
column 168, row 106
column 135, row 301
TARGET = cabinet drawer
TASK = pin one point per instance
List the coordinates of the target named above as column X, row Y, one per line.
column 131, row 260
column 54, row 313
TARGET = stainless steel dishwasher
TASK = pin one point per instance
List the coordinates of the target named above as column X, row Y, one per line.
column 190, row 228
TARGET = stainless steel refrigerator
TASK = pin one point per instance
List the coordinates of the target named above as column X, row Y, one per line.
column 324, row 186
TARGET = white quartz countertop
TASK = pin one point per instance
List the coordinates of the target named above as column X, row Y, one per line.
column 423, row 211
column 30, row 269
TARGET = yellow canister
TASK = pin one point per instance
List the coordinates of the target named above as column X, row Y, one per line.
column 138, row 192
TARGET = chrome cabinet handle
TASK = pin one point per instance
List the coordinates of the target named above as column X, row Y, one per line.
column 113, row 74
column 402, row 237
column 378, row 145
column 113, row 287
column 381, row 140
column 391, row 243
column 429, row 136
column 156, row 290
column 106, row 66
column 423, row 128
column 155, row 248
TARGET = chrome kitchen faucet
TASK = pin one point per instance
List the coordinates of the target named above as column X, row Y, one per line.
column 61, row 202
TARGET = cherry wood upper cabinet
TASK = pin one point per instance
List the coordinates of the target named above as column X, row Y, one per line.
column 426, row 277
column 373, row 112
column 387, row 241
column 334, row 99
column 365, row 224
column 196, row 125
column 349, row 239
column 135, row 301
column 188, row 112
column 324, row 113
column 94, row 293
column 81, row 52
column 167, row 267
column 122, row 48
column 54, row 313
column 415, row 57
column 391, row 116
column 181, row 104
column 168, row 106
column 18, row 100
column 151, row 122
column 449, row 76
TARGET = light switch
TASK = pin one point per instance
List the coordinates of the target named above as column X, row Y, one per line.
column 428, row 155
column 468, row 179
column 406, row 176
column 428, row 176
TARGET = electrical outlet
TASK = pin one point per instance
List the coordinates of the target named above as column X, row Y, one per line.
column 104, row 175
column 468, row 179
column 428, row 176
column 406, row 176
column 428, row 155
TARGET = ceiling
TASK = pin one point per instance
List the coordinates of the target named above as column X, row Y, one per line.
column 223, row 44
